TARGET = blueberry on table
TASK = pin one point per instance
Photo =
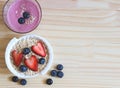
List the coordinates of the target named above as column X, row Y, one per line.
column 15, row 79
column 23, row 68
column 23, row 82
column 41, row 61
column 60, row 74
column 53, row 73
column 26, row 15
column 60, row 67
column 49, row 81
column 26, row 51
column 21, row 20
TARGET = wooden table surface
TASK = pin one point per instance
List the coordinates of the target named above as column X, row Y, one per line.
column 85, row 35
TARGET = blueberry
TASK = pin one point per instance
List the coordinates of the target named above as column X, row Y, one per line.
column 60, row 74
column 41, row 61
column 15, row 79
column 26, row 51
column 23, row 82
column 23, row 68
column 53, row 73
column 26, row 15
column 49, row 81
column 21, row 20
column 60, row 67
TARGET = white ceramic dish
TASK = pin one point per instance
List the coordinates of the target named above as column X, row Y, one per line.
column 21, row 75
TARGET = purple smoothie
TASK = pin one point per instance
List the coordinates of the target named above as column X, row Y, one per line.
column 16, row 10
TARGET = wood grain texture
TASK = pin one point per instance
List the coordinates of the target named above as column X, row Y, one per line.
column 85, row 35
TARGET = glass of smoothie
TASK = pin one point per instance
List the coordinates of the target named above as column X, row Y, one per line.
column 22, row 16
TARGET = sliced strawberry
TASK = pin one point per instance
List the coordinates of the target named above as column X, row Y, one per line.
column 32, row 63
column 39, row 49
column 17, row 57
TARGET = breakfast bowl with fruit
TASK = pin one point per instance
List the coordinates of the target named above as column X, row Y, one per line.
column 29, row 56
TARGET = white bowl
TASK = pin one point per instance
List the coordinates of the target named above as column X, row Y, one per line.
column 9, row 64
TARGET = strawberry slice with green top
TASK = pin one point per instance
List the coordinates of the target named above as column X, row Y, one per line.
column 31, row 63
column 17, row 57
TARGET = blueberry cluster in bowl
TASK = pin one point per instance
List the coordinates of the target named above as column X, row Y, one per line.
column 24, row 68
